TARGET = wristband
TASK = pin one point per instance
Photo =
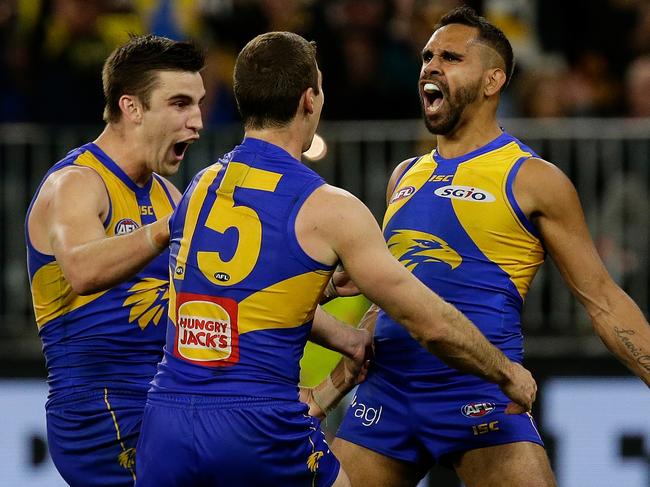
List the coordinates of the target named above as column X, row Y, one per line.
column 152, row 244
column 326, row 395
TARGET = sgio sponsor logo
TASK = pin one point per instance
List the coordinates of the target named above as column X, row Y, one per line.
column 206, row 330
column 465, row 193
column 366, row 414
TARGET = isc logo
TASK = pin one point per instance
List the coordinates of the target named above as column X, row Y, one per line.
column 465, row 193
column 482, row 429
column 477, row 409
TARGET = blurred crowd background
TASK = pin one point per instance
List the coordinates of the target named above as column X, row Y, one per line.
column 591, row 60
column 580, row 97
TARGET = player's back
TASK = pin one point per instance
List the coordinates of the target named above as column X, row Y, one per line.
column 111, row 338
column 243, row 292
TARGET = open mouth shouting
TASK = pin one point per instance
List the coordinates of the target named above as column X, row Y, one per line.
column 179, row 148
column 432, row 97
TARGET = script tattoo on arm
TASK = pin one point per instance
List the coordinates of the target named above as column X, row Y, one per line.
column 640, row 355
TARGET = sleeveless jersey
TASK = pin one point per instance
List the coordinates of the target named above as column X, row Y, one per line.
column 111, row 338
column 455, row 224
column 243, row 292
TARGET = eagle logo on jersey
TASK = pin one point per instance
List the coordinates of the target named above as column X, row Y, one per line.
column 412, row 248
column 312, row 461
column 126, row 459
column 148, row 300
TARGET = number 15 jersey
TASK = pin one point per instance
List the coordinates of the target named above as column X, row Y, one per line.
column 243, row 292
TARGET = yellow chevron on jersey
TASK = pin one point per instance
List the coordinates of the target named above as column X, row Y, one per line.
column 300, row 294
column 53, row 296
column 508, row 243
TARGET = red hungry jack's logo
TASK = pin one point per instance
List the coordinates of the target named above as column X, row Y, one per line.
column 206, row 330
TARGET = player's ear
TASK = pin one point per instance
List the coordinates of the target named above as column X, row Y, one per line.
column 131, row 108
column 495, row 78
column 308, row 97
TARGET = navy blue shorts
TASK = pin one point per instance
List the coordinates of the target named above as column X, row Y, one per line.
column 92, row 437
column 207, row 441
column 424, row 425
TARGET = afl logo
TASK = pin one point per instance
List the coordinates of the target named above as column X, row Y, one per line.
column 477, row 409
column 404, row 192
column 125, row 225
column 465, row 193
column 222, row 276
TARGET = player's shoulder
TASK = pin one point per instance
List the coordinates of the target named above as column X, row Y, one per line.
column 333, row 204
column 73, row 177
column 397, row 174
column 539, row 173
column 541, row 186
column 328, row 193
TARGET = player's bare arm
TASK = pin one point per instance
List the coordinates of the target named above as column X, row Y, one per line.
column 66, row 221
column 550, row 199
column 348, row 232
column 329, row 332
column 356, row 346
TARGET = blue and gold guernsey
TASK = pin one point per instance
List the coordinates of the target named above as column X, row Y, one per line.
column 243, row 291
column 455, row 224
column 243, row 294
column 114, row 338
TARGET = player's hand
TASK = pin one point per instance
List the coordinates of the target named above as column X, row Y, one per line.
column 521, row 388
column 339, row 286
column 344, row 285
column 350, row 371
column 355, row 366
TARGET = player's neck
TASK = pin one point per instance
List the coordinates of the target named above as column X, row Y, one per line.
column 287, row 138
column 126, row 153
column 467, row 138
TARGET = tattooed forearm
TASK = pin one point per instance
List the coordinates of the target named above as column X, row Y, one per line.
column 640, row 356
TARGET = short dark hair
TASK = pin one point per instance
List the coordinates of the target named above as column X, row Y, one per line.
column 271, row 73
column 132, row 68
column 487, row 33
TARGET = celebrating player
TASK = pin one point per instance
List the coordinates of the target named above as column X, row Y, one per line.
column 97, row 239
column 472, row 220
